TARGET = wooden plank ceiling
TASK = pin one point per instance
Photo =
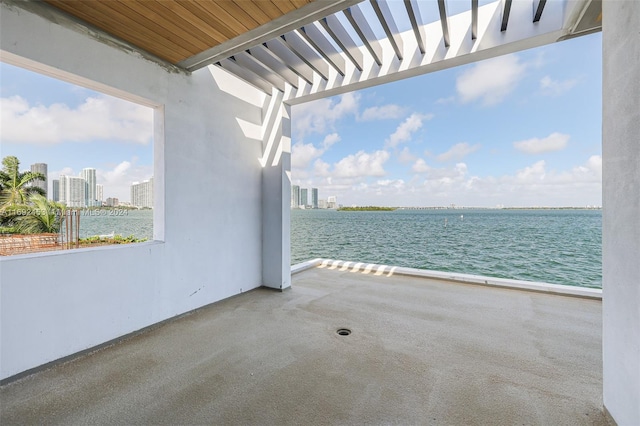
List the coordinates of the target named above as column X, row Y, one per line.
column 175, row 30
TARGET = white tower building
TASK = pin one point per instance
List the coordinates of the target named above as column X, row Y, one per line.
column 72, row 191
column 142, row 194
column 89, row 176
column 99, row 194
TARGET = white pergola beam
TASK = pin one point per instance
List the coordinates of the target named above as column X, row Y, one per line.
column 388, row 25
column 254, row 80
column 360, row 25
column 505, row 15
column 416, row 22
column 247, row 61
column 538, row 7
column 334, row 28
column 281, row 25
column 444, row 22
column 309, row 56
column 315, row 38
column 491, row 42
column 262, row 54
column 290, row 59
column 474, row 19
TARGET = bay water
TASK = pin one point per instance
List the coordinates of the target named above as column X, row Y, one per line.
column 125, row 222
column 553, row 246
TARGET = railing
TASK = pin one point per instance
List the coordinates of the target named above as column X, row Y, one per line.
column 33, row 243
column 67, row 238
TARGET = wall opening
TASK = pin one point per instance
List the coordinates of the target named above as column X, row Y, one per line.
column 84, row 159
column 493, row 168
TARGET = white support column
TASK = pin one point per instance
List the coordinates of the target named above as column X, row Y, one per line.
column 621, row 210
column 276, row 195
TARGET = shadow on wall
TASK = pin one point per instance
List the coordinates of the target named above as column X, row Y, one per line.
column 275, row 116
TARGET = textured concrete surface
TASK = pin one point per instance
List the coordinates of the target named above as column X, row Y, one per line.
column 421, row 351
column 621, row 203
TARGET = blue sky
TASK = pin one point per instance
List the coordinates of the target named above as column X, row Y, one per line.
column 45, row 120
column 518, row 130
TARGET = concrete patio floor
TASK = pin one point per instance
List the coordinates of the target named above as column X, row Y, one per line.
column 421, row 351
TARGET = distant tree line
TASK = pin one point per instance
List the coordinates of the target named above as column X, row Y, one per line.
column 367, row 209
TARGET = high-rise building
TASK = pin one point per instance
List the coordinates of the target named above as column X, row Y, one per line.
column 332, row 202
column 42, row 184
column 72, row 191
column 142, row 194
column 112, row 202
column 99, row 193
column 89, row 176
column 304, row 198
column 295, row 196
column 55, row 189
column 314, row 198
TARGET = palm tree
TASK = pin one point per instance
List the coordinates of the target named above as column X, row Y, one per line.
column 39, row 216
column 15, row 186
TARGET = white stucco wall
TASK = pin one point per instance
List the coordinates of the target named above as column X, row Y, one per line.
column 621, row 210
column 208, row 205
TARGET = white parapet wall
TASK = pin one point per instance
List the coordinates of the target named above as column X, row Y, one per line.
column 387, row 270
column 208, row 201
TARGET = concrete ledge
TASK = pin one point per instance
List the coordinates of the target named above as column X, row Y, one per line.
column 301, row 267
column 66, row 252
column 375, row 269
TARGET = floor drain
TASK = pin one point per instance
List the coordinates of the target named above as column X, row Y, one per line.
column 343, row 331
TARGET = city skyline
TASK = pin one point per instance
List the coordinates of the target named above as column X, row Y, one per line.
column 300, row 199
column 84, row 191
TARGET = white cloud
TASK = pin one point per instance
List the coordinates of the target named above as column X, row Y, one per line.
column 442, row 175
column 330, row 139
column 55, row 174
column 405, row 156
column 537, row 174
column 98, row 118
column 320, row 168
column 458, row 152
column 302, row 154
column 534, row 185
column 490, row 81
column 554, row 142
column 552, row 87
column 361, row 164
column 386, row 186
column 407, row 128
column 420, row 166
column 587, row 173
column 534, row 173
column 384, row 112
column 117, row 180
column 395, row 183
column 593, row 165
column 318, row 116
